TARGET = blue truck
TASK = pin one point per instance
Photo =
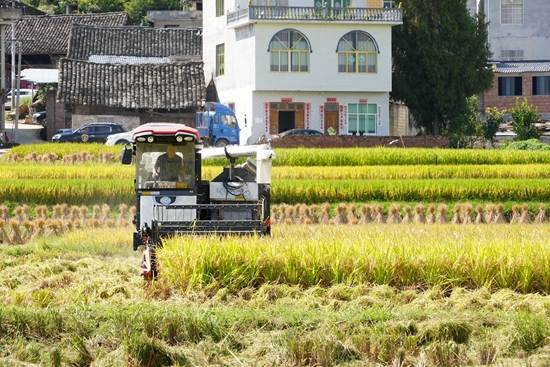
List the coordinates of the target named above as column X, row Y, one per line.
column 217, row 125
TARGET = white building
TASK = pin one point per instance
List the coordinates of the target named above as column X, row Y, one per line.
column 301, row 63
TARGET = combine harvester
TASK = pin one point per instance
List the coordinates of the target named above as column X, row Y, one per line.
column 237, row 201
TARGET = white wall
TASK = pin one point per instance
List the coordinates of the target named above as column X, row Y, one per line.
column 248, row 81
column 323, row 74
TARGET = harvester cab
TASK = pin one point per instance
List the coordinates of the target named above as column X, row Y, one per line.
column 172, row 198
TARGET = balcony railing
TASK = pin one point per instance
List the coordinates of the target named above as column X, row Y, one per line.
column 255, row 13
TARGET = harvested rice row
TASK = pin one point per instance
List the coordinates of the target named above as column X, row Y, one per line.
column 336, row 156
column 462, row 214
column 21, row 228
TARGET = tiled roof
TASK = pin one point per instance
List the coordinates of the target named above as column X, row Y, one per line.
column 178, row 85
column 509, row 67
column 49, row 34
column 26, row 10
column 86, row 41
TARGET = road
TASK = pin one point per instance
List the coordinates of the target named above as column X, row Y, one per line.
column 26, row 133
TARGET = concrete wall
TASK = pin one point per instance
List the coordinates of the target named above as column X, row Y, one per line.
column 533, row 36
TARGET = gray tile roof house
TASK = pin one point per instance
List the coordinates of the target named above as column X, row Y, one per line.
column 509, row 67
column 133, row 68
column 49, row 34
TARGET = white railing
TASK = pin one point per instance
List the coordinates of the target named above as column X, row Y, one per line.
column 312, row 13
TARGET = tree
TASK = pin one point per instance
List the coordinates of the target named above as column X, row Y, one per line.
column 137, row 9
column 440, row 56
column 490, row 125
column 525, row 116
column 469, row 128
column 100, row 6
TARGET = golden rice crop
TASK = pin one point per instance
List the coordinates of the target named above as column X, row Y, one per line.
column 70, row 191
column 66, row 172
column 335, row 156
column 427, row 190
column 409, row 156
column 409, row 172
column 64, row 149
column 498, row 256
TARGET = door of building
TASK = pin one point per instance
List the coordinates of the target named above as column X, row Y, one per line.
column 331, row 117
column 285, row 116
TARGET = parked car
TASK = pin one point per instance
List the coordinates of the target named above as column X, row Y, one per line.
column 64, row 131
column 22, row 94
column 298, row 132
column 96, row 132
column 126, row 137
column 39, row 118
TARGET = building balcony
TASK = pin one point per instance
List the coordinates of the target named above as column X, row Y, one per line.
column 254, row 14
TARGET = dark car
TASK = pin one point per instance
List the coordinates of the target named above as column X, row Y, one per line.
column 39, row 118
column 299, row 132
column 96, row 132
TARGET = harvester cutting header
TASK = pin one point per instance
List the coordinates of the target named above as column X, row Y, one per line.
column 172, row 197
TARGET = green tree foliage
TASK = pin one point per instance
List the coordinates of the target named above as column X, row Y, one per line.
column 100, row 6
column 468, row 125
column 490, row 125
column 440, row 56
column 524, row 117
column 137, row 9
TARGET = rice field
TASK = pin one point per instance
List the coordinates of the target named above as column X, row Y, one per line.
column 378, row 257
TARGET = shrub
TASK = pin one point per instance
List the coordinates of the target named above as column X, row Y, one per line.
column 530, row 144
column 524, row 117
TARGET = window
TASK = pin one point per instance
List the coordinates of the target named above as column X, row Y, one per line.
column 541, row 85
column 357, row 53
column 220, row 8
column 220, row 59
column 511, row 11
column 362, row 118
column 388, row 4
column 511, row 55
column 289, row 52
column 509, row 86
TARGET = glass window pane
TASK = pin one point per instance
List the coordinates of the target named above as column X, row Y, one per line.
column 274, row 61
column 372, row 63
column 304, row 61
column 294, row 60
column 352, row 125
column 351, row 63
column 341, row 63
column 352, row 108
column 371, row 108
column 371, row 124
column 362, row 123
column 284, row 61
column 362, row 62
column 362, row 107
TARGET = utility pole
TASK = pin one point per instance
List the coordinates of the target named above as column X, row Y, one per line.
column 7, row 16
column 13, row 86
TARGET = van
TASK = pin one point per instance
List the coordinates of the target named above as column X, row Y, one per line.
column 22, row 94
